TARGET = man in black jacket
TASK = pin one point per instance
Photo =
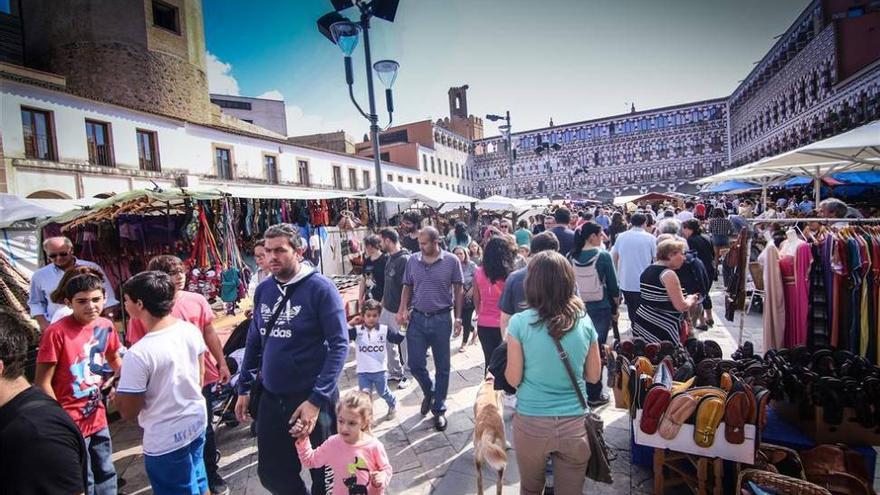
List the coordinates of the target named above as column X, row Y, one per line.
column 43, row 450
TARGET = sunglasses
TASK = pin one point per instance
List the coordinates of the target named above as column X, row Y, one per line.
column 55, row 255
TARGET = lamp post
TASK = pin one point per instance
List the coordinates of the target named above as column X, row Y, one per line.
column 550, row 149
column 344, row 33
column 506, row 133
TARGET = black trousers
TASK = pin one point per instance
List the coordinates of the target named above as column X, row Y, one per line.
column 632, row 300
column 490, row 338
column 278, row 463
column 210, row 451
column 467, row 324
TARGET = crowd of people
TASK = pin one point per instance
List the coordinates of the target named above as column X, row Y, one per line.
column 554, row 283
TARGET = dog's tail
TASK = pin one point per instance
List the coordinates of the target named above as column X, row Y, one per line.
column 494, row 451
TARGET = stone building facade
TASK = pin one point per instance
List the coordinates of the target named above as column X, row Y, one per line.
column 821, row 78
column 806, row 88
column 143, row 54
column 655, row 150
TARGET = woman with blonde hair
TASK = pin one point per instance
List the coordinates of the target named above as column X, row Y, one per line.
column 549, row 419
column 663, row 304
column 475, row 253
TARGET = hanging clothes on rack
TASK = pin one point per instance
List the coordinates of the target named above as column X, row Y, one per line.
column 796, row 285
column 774, row 299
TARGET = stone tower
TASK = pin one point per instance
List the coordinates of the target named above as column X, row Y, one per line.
column 460, row 122
column 143, row 54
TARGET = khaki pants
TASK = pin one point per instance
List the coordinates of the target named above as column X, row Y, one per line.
column 563, row 439
column 396, row 355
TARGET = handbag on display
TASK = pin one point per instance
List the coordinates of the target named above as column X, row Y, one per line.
column 598, row 467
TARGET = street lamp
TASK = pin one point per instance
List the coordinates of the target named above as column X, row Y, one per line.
column 548, row 149
column 345, row 33
column 505, row 130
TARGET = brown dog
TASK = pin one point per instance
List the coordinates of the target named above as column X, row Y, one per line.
column 489, row 443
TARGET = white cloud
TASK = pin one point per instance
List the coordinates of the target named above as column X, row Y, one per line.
column 272, row 95
column 220, row 78
column 300, row 123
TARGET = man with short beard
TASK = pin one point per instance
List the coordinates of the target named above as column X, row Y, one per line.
column 299, row 360
column 395, row 267
column 432, row 282
column 410, row 225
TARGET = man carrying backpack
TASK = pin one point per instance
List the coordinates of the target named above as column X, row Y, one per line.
column 597, row 284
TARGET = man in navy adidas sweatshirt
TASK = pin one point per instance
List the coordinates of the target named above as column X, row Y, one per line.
column 303, row 355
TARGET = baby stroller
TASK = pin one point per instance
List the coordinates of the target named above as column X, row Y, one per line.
column 225, row 396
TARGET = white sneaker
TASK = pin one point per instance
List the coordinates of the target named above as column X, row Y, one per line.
column 403, row 383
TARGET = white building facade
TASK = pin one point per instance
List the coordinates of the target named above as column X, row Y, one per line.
column 57, row 145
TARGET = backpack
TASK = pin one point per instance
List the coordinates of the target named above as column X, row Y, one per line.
column 588, row 282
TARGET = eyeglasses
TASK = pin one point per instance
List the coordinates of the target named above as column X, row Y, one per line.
column 52, row 256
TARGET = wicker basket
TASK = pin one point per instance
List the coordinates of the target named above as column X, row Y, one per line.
column 778, row 483
column 769, row 455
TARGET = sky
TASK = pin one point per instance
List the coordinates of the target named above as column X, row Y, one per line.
column 569, row 60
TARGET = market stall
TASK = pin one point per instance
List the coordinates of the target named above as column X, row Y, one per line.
column 213, row 230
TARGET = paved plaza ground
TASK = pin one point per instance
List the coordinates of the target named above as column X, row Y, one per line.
column 426, row 461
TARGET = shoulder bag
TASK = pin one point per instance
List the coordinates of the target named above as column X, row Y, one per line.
column 598, row 467
column 257, row 387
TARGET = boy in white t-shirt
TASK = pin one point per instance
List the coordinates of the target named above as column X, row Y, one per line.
column 371, row 340
column 160, row 384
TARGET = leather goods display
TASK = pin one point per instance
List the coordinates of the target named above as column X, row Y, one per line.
column 838, row 468
column 709, row 413
column 736, row 415
column 680, row 409
column 655, row 405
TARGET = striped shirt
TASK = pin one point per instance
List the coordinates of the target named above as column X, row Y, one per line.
column 656, row 318
column 432, row 283
column 720, row 226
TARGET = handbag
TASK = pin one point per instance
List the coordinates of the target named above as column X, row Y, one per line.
column 598, row 467
column 257, row 387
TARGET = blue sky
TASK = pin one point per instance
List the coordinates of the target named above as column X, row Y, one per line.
column 566, row 59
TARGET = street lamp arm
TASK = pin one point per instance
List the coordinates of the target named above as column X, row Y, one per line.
column 390, row 120
column 353, row 100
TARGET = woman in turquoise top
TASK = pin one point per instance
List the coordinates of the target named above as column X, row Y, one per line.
column 549, row 417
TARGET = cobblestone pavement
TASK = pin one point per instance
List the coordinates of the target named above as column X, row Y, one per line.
column 426, row 461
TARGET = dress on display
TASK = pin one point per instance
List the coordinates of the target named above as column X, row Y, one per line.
column 796, row 286
column 774, row 299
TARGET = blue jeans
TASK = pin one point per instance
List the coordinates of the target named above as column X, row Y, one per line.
column 102, row 474
column 432, row 332
column 378, row 380
column 180, row 472
column 602, row 323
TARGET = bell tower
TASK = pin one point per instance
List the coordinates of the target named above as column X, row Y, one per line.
column 460, row 122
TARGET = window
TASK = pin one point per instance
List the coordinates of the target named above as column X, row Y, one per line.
column 385, row 157
column 223, row 163
column 237, row 105
column 303, row 172
column 165, row 16
column 425, row 162
column 352, row 178
column 39, row 139
column 98, row 141
column 366, row 176
column 399, row 178
column 270, row 163
column 445, row 167
column 418, row 181
column 337, row 177
column 433, row 170
column 409, row 179
column 148, row 152
column 390, row 178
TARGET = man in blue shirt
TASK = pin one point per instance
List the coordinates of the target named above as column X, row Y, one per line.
column 565, row 235
column 302, row 357
column 44, row 281
column 602, row 219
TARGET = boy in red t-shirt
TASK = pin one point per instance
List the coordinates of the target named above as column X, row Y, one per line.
column 73, row 358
